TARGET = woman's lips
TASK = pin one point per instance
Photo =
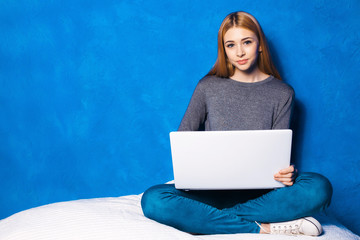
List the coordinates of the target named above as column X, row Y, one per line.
column 242, row 62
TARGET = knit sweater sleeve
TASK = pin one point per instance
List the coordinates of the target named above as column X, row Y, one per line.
column 195, row 115
column 283, row 114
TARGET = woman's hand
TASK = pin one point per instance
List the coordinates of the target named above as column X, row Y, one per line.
column 286, row 176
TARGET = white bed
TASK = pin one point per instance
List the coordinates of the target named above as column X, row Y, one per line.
column 119, row 218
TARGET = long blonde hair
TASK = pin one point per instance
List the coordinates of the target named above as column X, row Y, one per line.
column 222, row 67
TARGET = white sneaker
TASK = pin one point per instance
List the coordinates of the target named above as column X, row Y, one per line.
column 302, row 226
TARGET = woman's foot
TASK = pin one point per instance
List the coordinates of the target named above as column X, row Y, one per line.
column 302, row 226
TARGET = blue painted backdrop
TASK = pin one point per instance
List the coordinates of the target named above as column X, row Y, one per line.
column 89, row 91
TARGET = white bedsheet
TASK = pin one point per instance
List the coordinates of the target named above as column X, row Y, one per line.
column 120, row 218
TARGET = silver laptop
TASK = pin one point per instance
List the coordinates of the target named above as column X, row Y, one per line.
column 210, row 160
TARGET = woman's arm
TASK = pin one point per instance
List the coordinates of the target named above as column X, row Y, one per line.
column 288, row 175
column 195, row 114
column 283, row 116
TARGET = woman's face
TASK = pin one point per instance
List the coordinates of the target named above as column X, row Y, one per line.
column 241, row 48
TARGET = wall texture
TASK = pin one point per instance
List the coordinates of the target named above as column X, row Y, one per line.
column 89, row 91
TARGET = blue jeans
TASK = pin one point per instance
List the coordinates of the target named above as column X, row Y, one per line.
column 220, row 212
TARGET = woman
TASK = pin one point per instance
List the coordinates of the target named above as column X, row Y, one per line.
column 242, row 91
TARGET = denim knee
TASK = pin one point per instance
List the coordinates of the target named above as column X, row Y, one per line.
column 317, row 189
column 152, row 204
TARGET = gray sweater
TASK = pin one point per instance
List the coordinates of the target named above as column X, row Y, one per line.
column 225, row 104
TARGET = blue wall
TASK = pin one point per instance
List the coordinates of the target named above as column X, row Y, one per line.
column 90, row 89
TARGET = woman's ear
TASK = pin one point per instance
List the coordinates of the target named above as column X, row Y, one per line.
column 260, row 49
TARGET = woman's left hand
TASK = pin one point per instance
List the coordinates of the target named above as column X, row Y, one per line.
column 286, row 176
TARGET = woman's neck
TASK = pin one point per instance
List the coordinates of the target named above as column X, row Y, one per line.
column 254, row 76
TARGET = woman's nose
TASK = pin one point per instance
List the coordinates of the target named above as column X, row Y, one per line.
column 240, row 51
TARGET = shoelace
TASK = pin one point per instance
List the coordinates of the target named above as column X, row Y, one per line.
column 282, row 229
column 286, row 229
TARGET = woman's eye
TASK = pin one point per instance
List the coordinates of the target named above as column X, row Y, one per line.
column 230, row 45
column 247, row 42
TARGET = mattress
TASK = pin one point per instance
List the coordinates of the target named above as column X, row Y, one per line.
column 121, row 218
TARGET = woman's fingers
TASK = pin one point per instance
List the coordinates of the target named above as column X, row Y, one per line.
column 285, row 181
column 289, row 169
column 288, row 175
column 288, row 183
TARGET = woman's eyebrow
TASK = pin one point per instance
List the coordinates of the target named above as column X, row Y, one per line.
column 241, row 39
column 246, row 38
